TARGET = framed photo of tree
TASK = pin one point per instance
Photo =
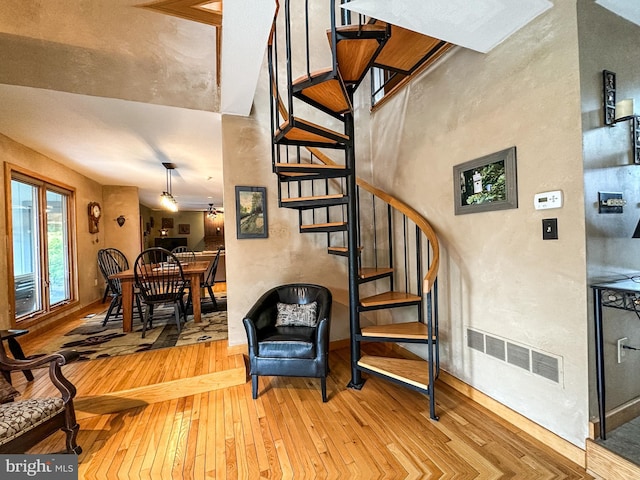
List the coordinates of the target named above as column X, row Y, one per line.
column 251, row 212
column 486, row 183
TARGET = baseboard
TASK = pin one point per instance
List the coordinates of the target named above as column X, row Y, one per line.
column 603, row 463
column 560, row 445
column 616, row 418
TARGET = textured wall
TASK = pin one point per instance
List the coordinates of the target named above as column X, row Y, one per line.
column 255, row 265
column 121, row 201
column 108, row 49
column 497, row 273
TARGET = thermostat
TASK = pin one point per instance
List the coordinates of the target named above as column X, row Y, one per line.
column 547, row 200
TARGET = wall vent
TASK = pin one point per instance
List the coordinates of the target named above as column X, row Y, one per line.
column 545, row 365
column 475, row 340
column 495, row 347
column 518, row 356
column 539, row 363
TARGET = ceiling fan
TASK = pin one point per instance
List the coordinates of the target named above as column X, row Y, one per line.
column 213, row 211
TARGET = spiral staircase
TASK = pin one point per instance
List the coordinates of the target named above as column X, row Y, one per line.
column 391, row 251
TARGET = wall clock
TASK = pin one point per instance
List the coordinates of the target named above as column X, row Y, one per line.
column 95, row 212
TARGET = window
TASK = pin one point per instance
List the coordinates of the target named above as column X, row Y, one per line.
column 41, row 248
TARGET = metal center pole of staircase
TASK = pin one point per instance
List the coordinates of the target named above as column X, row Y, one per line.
column 352, row 242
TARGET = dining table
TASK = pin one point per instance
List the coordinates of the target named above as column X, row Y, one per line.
column 192, row 271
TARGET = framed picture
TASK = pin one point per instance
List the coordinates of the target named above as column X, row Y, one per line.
column 167, row 223
column 184, row 228
column 486, row 183
column 251, row 212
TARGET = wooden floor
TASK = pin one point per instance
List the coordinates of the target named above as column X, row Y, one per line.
column 381, row 431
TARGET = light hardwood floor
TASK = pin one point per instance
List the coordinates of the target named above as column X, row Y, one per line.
column 381, row 431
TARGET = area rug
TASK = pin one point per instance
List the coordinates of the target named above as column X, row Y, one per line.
column 92, row 340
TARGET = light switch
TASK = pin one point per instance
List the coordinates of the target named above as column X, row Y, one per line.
column 550, row 229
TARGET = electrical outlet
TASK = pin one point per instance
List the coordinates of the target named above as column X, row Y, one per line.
column 622, row 354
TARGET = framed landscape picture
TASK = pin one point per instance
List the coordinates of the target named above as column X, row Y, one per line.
column 486, row 183
column 251, row 212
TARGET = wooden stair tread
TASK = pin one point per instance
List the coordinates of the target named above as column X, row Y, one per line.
column 297, row 132
column 342, row 250
column 405, row 49
column 367, row 272
column 314, row 166
column 414, row 372
column 354, row 57
column 329, row 93
column 323, row 225
column 413, row 330
column 315, row 73
column 355, row 54
column 365, row 27
column 317, row 198
column 389, row 298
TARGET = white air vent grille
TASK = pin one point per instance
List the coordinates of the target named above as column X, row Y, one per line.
column 539, row 363
column 518, row 356
column 495, row 347
column 545, row 365
column 475, row 340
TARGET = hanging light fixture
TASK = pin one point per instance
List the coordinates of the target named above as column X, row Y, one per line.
column 211, row 213
column 166, row 199
column 214, row 211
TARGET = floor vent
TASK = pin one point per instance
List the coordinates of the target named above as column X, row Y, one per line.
column 539, row 363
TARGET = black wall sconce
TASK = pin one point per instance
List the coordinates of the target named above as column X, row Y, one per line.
column 625, row 112
column 121, row 220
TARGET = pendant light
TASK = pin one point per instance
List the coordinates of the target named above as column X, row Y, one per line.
column 166, row 199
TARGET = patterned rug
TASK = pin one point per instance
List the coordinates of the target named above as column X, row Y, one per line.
column 92, row 340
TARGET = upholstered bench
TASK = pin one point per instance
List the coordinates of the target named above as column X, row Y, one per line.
column 24, row 423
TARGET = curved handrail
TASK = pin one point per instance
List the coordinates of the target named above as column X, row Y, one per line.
column 421, row 222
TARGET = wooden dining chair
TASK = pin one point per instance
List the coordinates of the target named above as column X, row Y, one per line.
column 185, row 256
column 112, row 261
column 210, row 278
column 160, row 279
column 121, row 258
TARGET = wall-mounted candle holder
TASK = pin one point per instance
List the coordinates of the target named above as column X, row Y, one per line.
column 622, row 111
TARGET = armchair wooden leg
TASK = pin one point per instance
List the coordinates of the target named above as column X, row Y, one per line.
column 254, row 386
column 323, row 386
column 72, row 433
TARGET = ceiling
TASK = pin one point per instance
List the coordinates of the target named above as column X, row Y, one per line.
column 113, row 90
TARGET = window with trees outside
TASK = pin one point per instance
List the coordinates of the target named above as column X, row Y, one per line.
column 41, row 220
